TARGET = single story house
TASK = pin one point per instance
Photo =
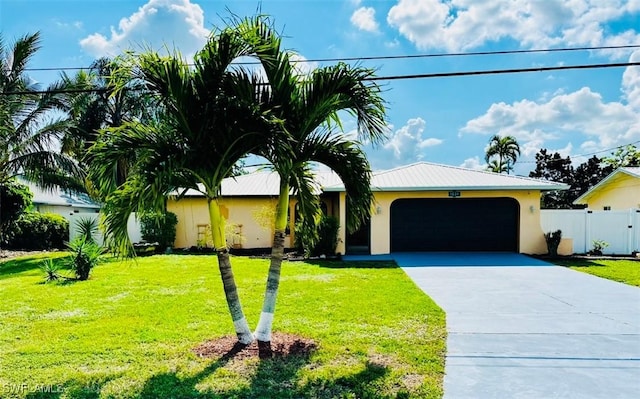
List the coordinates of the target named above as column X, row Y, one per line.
column 417, row 207
column 61, row 202
column 620, row 190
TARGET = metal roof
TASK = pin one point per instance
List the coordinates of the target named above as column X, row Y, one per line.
column 631, row 171
column 425, row 176
column 264, row 183
column 422, row 176
column 59, row 197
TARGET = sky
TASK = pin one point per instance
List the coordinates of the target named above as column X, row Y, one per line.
column 447, row 120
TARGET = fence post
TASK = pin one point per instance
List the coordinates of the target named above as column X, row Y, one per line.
column 587, row 230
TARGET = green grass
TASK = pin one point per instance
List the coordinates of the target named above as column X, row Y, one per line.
column 129, row 331
column 624, row 271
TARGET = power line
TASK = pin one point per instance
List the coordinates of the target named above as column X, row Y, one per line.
column 406, row 56
column 393, row 77
column 504, row 71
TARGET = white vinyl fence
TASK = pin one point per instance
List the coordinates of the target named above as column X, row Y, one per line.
column 619, row 229
column 133, row 226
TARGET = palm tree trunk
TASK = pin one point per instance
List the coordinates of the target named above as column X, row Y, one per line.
column 263, row 331
column 226, row 273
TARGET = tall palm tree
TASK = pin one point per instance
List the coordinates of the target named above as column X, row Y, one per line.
column 96, row 105
column 308, row 105
column 213, row 121
column 506, row 149
column 29, row 127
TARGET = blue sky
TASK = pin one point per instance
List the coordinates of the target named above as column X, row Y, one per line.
column 442, row 120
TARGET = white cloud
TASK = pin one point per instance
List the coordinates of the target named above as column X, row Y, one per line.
column 364, row 18
column 583, row 114
column 457, row 25
column 407, row 142
column 173, row 23
column 474, row 163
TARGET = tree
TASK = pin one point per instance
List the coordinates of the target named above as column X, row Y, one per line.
column 95, row 104
column 213, row 121
column 554, row 167
column 308, row 106
column 506, row 149
column 623, row 156
column 28, row 127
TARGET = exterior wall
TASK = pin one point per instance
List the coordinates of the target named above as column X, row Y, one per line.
column 531, row 238
column 620, row 194
column 64, row 210
column 241, row 211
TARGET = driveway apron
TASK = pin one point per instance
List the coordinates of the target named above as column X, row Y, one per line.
column 522, row 328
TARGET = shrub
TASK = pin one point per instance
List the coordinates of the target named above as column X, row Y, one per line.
column 85, row 255
column 87, row 227
column 160, row 228
column 322, row 241
column 50, row 269
column 14, row 199
column 38, row 231
column 553, row 242
column 598, row 246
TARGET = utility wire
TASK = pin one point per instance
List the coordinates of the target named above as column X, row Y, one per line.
column 405, row 57
column 584, row 155
column 393, row 77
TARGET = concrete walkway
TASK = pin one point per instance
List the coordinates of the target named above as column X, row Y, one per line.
column 531, row 330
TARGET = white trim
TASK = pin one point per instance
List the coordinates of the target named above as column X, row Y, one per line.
column 263, row 331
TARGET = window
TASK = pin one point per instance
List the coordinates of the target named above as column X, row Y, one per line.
column 607, row 208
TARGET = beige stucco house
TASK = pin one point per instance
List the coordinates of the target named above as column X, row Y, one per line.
column 618, row 191
column 418, row 207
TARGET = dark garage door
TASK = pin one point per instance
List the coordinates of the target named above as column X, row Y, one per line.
column 454, row 224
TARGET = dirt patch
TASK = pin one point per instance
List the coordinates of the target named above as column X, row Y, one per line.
column 281, row 345
column 8, row 254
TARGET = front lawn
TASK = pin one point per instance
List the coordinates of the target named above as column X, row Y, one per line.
column 624, row 271
column 130, row 331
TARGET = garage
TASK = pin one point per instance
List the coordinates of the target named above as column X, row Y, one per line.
column 454, row 224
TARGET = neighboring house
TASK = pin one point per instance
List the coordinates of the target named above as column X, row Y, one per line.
column 74, row 206
column 618, row 191
column 418, row 207
column 61, row 202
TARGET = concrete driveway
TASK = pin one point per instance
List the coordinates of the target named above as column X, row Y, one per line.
column 530, row 329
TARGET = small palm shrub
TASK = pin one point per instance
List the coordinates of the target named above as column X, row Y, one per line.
column 87, row 227
column 50, row 269
column 85, row 255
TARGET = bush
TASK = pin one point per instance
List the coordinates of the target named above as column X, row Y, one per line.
column 14, row 199
column 321, row 242
column 160, row 228
column 85, row 256
column 38, row 231
column 87, row 227
column 553, row 242
column 598, row 246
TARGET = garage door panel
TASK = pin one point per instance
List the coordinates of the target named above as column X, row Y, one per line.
column 460, row 224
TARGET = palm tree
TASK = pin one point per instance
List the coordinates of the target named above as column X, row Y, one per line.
column 506, row 149
column 496, row 167
column 213, row 121
column 29, row 129
column 96, row 105
column 308, row 107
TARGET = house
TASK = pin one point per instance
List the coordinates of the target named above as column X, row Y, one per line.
column 418, row 207
column 618, row 191
column 74, row 206
column 61, row 202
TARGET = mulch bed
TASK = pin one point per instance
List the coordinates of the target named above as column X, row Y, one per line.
column 282, row 345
